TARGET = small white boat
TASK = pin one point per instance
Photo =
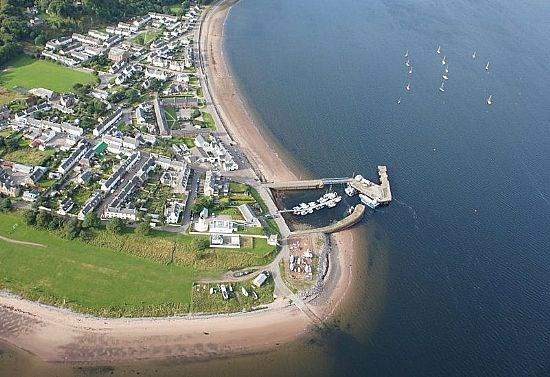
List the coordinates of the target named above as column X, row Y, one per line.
column 444, row 60
column 349, row 190
column 439, row 49
column 398, row 102
column 445, row 77
column 410, row 70
column 447, row 68
column 474, row 55
column 487, row 66
column 368, row 201
column 407, row 54
column 490, row 100
column 244, row 291
column 442, row 87
column 408, row 63
column 408, row 87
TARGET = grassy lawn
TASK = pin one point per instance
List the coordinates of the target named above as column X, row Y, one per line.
column 238, row 188
column 204, row 302
column 208, row 120
column 87, row 278
column 229, row 211
column 28, row 73
column 145, row 39
column 6, row 96
column 189, row 141
column 118, row 275
column 28, row 156
column 171, row 116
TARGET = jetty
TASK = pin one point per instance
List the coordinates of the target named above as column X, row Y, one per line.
column 379, row 192
column 345, row 223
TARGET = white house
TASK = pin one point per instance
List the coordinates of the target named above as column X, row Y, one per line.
column 173, row 212
column 222, row 226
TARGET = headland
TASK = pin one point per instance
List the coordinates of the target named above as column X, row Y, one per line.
column 60, row 335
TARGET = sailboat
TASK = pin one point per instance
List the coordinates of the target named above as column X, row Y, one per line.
column 441, row 88
column 487, row 66
column 443, row 62
column 490, row 100
column 407, row 54
column 474, row 55
column 408, row 63
column 439, row 49
column 408, row 87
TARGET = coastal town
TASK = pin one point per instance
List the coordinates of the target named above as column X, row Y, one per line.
column 138, row 160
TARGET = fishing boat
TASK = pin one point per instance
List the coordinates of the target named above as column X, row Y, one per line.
column 487, row 66
column 441, row 88
column 474, row 55
column 408, row 87
column 490, row 100
column 439, row 49
column 445, row 77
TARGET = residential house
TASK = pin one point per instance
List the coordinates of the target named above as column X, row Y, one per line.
column 8, row 186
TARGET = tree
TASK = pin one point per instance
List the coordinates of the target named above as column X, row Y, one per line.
column 143, row 228
column 115, row 226
column 5, row 205
column 91, row 221
column 200, row 203
column 132, row 94
column 43, row 219
column 30, row 217
column 71, row 228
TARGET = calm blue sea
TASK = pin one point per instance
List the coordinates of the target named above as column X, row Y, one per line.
column 463, row 277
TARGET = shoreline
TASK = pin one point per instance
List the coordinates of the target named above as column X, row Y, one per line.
column 59, row 335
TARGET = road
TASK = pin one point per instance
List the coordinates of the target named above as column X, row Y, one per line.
column 247, row 174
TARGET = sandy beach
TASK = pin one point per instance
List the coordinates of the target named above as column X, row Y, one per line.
column 55, row 334
column 236, row 118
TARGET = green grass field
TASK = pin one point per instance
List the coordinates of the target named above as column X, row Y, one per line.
column 207, row 118
column 89, row 279
column 171, row 117
column 145, row 39
column 28, row 156
column 115, row 275
column 28, row 73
